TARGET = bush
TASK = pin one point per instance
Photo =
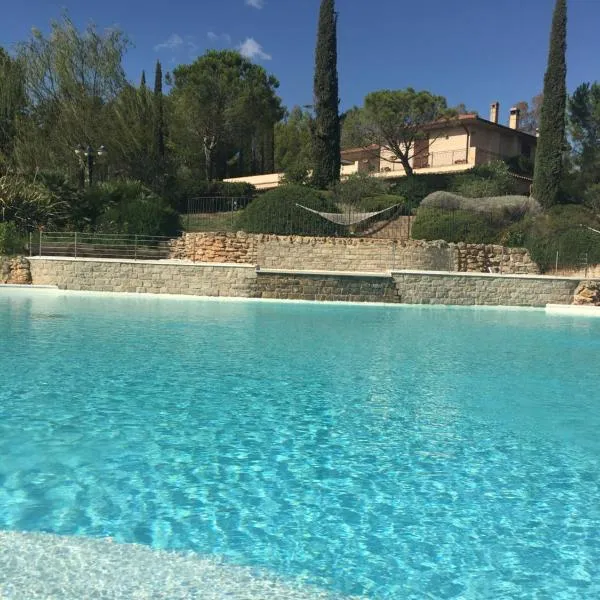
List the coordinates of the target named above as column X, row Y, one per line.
column 417, row 187
column 454, row 226
column 11, row 241
column 492, row 179
column 358, row 186
column 376, row 203
column 129, row 207
column 592, row 197
column 564, row 229
column 188, row 184
column 77, row 213
column 277, row 212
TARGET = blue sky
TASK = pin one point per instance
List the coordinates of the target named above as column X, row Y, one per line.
column 471, row 51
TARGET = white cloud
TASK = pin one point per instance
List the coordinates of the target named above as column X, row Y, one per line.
column 223, row 38
column 177, row 44
column 252, row 49
column 175, row 41
column 256, row 3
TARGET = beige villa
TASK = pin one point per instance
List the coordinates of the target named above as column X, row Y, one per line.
column 450, row 146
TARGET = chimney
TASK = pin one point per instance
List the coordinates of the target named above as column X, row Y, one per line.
column 515, row 116
column 494, row 112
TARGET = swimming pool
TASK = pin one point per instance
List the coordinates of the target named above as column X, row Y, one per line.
column 379, row 452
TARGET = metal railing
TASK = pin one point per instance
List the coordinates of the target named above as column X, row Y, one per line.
column 99, row 245
column 216, row 213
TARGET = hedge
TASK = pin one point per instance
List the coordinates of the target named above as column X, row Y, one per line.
column 277, row 212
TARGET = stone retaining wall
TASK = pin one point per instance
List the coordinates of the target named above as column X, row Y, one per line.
column 327, row 286
column 471, row 289
column 208, row 279
column 349, row 254
column 145, row 276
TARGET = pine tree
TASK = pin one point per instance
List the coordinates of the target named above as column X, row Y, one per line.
column 551, row 143
column 159, row 122
column 326, row 127
column 143, row 81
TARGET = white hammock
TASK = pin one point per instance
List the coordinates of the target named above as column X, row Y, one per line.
column 349, row 218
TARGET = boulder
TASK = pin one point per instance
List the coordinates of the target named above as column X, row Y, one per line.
column 587, row 293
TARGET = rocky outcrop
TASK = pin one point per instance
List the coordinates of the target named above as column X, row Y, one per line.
column 587, row 294
column 15, row 270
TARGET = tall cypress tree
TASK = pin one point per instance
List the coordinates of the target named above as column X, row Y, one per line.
column 159, row 118
column 326, row 127
column 551, row 143
column 143, row 80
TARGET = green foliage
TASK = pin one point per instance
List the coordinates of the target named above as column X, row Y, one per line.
column 397, row 119
column 129, row 207
column 561, row 229
column 592, row 197
column 223, row 104
column 493, row 179
column 415, row 188
column 30, row 205
column 12, row 103
column 358, row 186
column 71, row 80
column 326, row 132
column 376, row 203
column 298, row 174
column 276, row 211
column 584, row 130
column 552, row 142
column 11, row 242
column 454, row 226
column 293, row 143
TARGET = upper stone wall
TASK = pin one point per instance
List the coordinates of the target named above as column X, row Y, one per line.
column 350, row 254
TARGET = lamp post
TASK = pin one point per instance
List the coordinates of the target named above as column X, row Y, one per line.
column 87, row 157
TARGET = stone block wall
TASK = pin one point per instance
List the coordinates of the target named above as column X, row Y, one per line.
column 163, row 277
column 330, row 287
column 368, row 255
column 145, row 277
column 471, row 289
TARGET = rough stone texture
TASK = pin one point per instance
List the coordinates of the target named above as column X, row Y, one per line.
column 145, row 277
column 330, row 287
column 14, row 270
column 587, row 293
column 349, row 254
column 244, row 281
column 456, row 289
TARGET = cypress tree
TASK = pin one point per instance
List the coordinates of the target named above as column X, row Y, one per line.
column 143, row 80
column 159, row 123
column 326, row 127
column 551, row 143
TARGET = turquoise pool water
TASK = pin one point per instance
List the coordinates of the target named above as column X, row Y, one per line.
column 383, row 452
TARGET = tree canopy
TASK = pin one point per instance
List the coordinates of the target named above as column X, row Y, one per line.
column 398, row 119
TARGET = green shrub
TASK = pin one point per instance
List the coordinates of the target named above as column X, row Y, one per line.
column 11, row 241
column 129, row 207
column 492, row 179
column 358, row 186
column 592, row 197
column 562, row 229
column 454, row 226
column 77, row 213
column 276, row 211
column 417, row 187
column 376, row 203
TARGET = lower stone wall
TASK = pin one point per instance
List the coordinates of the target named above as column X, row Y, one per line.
column 330, row 287
column 145, row 277
column 471, row 289
column 245, row 281
column 349, row 254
